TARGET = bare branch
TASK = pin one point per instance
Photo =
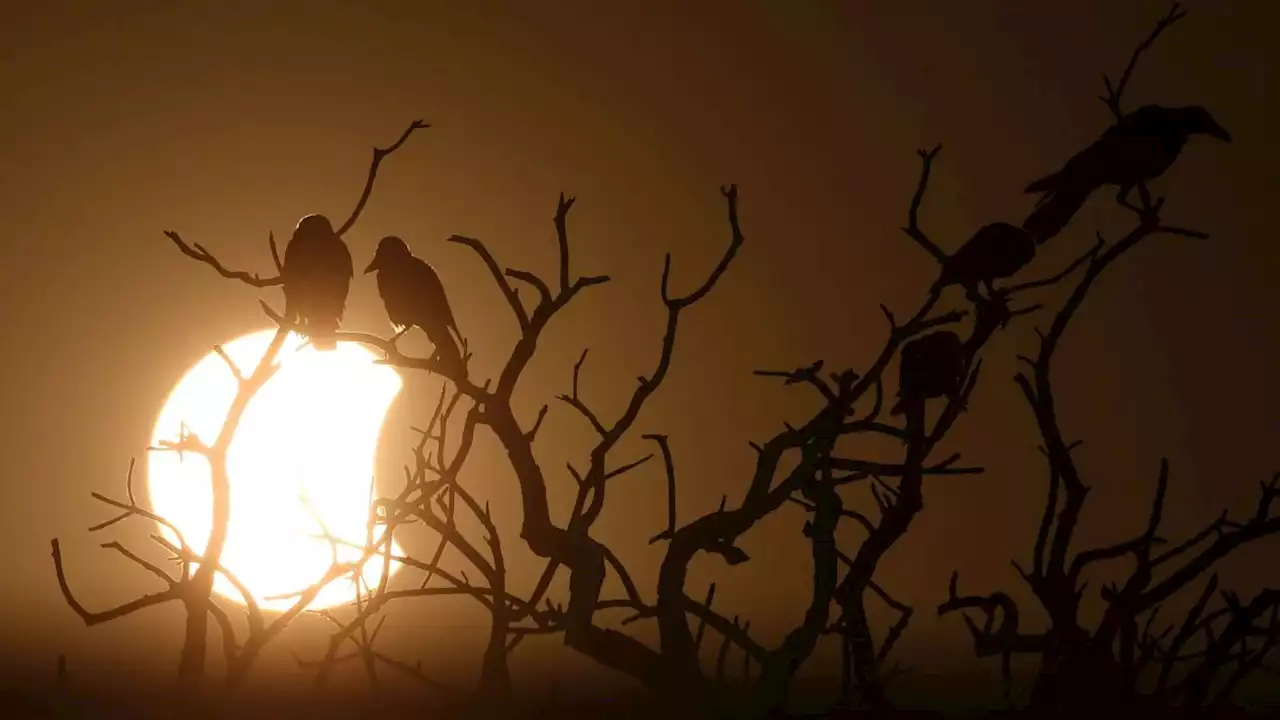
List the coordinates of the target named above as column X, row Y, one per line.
column 675, row 304
column 562, row 238
column 1139, row 546
column 990, row 639
column 97, row 618
column 913, row 213
column 1116, row 92
column 533, row 431
column 575, row 401
column 648, row 385
column 508, row 292
column 379, row 154
column 1061, row 275
column 809, row 375
column 198, row 253
column 669, row 464
column 144, row 564
column 524, row 276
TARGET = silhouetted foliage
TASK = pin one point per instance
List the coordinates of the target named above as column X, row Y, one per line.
column 1125, row 660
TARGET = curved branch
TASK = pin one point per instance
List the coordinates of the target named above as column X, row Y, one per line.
column 379, row 154
column 596, row 474
column 198, row 253
column 1116, row 92
column 97, row 618
column 913, row 212
column 499, row 278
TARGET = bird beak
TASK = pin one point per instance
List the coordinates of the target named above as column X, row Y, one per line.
column 373, row 265
column 1216, row 130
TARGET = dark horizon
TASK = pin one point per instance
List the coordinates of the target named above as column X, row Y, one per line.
column 228, row 121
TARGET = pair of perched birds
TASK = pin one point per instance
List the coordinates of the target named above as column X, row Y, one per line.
column 1138, row 148
column 317, row 271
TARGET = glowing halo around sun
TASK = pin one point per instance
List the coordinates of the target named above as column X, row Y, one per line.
column 302, row 455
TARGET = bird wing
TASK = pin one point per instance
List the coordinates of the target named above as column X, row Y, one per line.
column 1146, row 120
column 973, row 260
column 1089, row 167
column 333, row 272
column 292, row 250
column 343, row 263
column 317, row 273
column 1044, row 184
column 1083, row 168
column 432, row 303
column 294, row 271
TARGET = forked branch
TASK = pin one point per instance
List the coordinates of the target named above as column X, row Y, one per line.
column 197, row 252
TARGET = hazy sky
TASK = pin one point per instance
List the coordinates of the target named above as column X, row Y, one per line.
column 228, row 120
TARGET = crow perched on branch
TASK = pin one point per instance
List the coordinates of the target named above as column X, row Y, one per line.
column 997, row 250
column 931, row 366
column 1138, row 148
column 414, row 296
column 317, row 274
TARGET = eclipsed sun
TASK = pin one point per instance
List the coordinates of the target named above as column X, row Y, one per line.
column 300, row 466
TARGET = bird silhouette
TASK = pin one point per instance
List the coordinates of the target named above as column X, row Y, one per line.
column 996, row 250
column 317, row 272
column 414, row 296
column 1140, row 147
column 931, row 366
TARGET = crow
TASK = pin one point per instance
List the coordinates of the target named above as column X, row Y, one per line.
column 414, row 296
column 996, row 250
column 317, row 272
column 930, row 366
column 1140, row 147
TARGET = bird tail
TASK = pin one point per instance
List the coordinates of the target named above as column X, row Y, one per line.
column 321, row 333
column 1055, row 211
column 324, row 343
column 1043, row 185
column 913, row 407
column 448, row 350
column 456, row 335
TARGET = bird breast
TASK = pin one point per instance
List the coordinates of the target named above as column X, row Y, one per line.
column 1144, row 158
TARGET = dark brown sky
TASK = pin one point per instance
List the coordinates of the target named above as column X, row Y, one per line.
column 228, row 120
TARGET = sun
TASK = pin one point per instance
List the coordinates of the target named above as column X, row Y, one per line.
column 300, row 465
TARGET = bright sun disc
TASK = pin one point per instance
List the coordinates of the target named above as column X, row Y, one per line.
column 303, row 455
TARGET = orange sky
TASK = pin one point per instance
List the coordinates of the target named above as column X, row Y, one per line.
column 228, row 120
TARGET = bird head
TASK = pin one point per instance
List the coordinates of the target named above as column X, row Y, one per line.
column 390, row 249
column 943, row 342
column 1195, row 119
column 313, row 225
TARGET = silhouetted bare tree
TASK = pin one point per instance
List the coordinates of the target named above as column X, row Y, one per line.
column 193, row 586
column 816, row 462
column 1125, row 660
